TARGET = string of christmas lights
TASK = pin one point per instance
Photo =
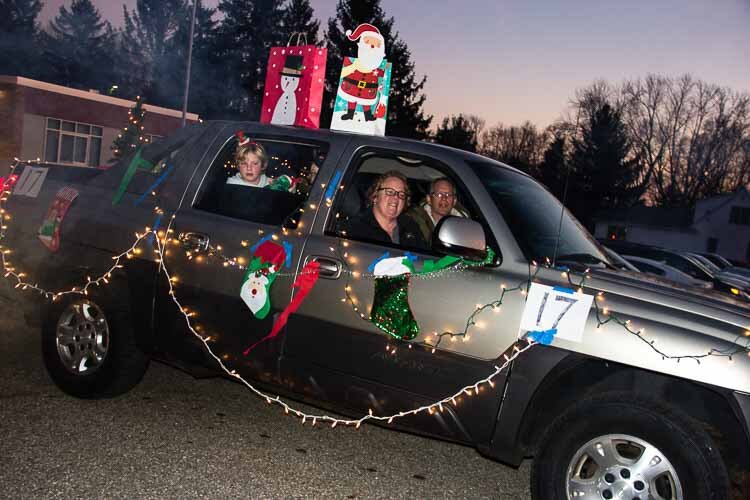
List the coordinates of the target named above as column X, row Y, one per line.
column 651, row 343
column 469, row 390
column 163, row 238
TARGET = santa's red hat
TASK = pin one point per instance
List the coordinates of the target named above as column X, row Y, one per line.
column 241, row 139
column 364, row 29
column 271, row 252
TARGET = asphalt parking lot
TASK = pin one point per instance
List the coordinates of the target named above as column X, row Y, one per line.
column 178, row 437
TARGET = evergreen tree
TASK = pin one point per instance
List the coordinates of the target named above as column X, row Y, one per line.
column 604, row 173
column 131, row 136
column 18, row 37
column 202, row 84
column 243, row 40
column 145, row 57
column 406, row 117
column 553, row 171
column 457, row 131
column 298, row 17
column 79, row 47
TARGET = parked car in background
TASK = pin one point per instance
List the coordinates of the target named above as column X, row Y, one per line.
column 686, row 263
column 726, row 265
column 718, row 260
column 618, row 261
column 728, row 272
column 658, row 268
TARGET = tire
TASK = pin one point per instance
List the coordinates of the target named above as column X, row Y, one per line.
column 600, row 448
column 89, row 348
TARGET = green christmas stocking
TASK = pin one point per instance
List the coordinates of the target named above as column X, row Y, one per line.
column 390, row 307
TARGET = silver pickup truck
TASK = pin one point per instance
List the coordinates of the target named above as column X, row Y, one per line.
column 511, row 332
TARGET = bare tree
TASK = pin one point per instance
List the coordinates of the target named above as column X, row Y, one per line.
column 691, row 135
column 522, row 145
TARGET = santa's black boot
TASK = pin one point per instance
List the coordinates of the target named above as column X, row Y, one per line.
column 348, row 115
column 369, row 116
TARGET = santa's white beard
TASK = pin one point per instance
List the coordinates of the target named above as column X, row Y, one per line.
column 369, row 58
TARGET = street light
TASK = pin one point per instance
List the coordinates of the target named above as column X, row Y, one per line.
column 189, row 60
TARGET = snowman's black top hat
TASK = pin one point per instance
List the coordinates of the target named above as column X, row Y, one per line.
column 292, row 66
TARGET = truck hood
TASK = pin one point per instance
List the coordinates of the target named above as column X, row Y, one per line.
column 692, row 333
column 704, row 301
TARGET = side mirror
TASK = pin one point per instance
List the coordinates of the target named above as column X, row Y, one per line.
column 460, row 236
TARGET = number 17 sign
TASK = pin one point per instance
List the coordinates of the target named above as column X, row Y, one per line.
column 555, row 312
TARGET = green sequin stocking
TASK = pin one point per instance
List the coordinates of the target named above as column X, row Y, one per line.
column 390, row 308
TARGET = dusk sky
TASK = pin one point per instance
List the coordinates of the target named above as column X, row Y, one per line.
column 514, row 60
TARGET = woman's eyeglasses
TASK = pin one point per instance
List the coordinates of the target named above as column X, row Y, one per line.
column 392, row 192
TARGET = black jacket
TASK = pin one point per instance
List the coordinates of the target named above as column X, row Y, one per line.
column 363, row 226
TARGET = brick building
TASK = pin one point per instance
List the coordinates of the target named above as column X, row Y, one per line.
column 67, row 126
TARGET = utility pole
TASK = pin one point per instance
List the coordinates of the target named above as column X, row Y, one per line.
column 189, row 61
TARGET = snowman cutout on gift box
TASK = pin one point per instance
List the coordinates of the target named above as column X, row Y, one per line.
column 285, row 111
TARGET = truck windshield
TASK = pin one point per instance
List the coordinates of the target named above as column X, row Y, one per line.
column 533, row 216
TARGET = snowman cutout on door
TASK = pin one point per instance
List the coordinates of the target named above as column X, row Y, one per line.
column 285, row 111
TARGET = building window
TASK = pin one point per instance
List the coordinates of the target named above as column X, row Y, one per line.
column 72, row 143
column 740, row 215
column 616, row 232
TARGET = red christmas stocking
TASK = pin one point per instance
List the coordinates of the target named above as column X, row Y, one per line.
column 49, row 232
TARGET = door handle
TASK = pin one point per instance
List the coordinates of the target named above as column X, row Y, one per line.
column 197, row 242
column 329, row 268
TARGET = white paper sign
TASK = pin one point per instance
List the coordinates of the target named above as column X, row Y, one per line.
column 560, row 311
column 31, row 181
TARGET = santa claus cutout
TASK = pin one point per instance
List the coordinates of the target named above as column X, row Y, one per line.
column 362, row 97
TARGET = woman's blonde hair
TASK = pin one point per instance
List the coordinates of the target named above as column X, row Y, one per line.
column 381, row 179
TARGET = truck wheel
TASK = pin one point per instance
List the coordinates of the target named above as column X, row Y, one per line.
column 619, row 445
column 89, row 348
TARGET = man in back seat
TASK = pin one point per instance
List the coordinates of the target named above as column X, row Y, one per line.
column 440, row 202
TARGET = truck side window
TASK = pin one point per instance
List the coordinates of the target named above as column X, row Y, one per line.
column 290, row 174
column 428, row 186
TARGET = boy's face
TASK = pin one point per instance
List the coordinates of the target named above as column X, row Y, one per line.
column 250, row 168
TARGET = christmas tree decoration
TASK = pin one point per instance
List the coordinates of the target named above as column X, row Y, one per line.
column 49, row 232
column 268, row 258
column 364, row 87
column 294, row 85
column 132, row 136
column 138, row 162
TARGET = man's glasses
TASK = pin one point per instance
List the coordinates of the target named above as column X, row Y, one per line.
column 392, row 192
column 444, row 196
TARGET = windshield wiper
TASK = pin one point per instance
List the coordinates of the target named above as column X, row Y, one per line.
column 584, row 258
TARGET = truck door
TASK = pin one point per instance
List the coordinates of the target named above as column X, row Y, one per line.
column 220, row 226
column 345, row 359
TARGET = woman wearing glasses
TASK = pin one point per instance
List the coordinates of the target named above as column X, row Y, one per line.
column 383, row 219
